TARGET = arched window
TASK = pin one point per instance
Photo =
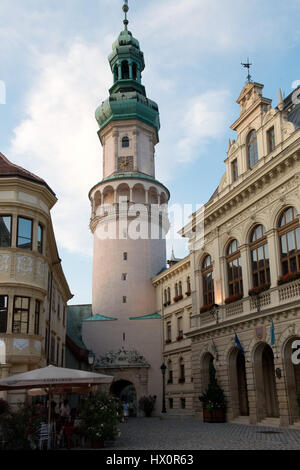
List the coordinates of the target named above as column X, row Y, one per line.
column 170, row 372
column 289, row 235
column 207, row 281
column 116, row 73
column 165, row 296
column 181, row 371
column 134, row 71
column 234, row 269
column 125, row 142
column 188, row 284
column 176, row 290
column 125, row 70
column 169, row 295
column 180, row 288
column 259, row 256
column 252, row 149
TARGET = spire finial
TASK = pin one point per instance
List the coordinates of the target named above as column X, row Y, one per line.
column 247, row 65
column 125, row 9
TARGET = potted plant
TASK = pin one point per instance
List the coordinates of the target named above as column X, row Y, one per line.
column 289, row 277
column 205, row 308
column 259, row 289
column 179, row 337
column 100, row 415
column 188, row 293
column 147, row 404
column 168, row 341
column 214, row 400
column 181, row 380
column 233, row 298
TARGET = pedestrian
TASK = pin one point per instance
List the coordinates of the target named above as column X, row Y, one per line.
column 65, row 412
column 125, row 406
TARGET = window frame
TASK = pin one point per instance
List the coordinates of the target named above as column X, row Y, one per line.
column 14, row 322
column 271, row 139
column 208, row 288
column 234, row 170
column 283, row 231
column 10, row 231
column 40, row 243
column 252, row 146
column 4, row 321
column 31, row 235
column 230, row 258
column 254, row 246
column 37, row 314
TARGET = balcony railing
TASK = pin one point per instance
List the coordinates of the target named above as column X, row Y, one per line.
column 272, row 298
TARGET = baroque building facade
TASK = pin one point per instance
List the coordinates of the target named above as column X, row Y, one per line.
column 245, row 267
column 33, row 289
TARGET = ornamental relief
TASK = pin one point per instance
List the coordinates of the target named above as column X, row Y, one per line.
column 4, row 262
column 24, row 264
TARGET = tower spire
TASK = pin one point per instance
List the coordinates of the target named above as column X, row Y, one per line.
column 125, row 9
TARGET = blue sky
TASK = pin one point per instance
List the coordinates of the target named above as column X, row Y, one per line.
column 54, row 64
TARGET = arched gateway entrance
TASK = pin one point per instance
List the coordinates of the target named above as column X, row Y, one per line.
column 238, row 383
column 266, row 392
column 292, row 376
column 125, row 390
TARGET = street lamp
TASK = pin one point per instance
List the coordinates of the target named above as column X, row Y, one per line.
column 91, row 359
column 163, row 371
column 214, row 310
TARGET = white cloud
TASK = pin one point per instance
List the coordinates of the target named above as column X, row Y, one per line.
column 58, row 138
column 205, row 118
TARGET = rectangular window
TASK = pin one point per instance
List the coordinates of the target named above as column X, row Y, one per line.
column 57, row 353
column 169, row 331
column 5, row 231
column 125, row 257
column 171, row 403
column 124, row 299
column 40, row 238
column 52, row 350
column 124, row 277
column 24, row 233
column 3, row 313
column 62, row 357
column 21, row 315
column 234, row 170
column 271, row 139
column 182, row 400
column 180, row 327
column 37, row 317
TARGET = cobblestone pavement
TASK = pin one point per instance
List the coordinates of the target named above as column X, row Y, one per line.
column 191, row 434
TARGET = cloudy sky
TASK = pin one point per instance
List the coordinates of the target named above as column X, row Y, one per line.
column 53, row 61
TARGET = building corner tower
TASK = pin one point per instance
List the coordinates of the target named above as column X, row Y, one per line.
column 129, row 222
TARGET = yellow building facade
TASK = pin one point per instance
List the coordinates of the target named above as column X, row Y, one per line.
column 33, row 289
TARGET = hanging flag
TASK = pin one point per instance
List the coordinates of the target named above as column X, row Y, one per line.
column 272, row 333
column 214, row 348
column 237, row 342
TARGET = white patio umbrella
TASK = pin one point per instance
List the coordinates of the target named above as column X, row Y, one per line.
column 54, row 378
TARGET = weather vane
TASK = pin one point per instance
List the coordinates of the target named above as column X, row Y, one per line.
column 247, row 65
column 125, row 9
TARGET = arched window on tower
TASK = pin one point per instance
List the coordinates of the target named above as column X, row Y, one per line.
column 234, row 269
column 252, row 149
column 125, row 70
column 125, row 142
column 116, row 73
column 207, row 281
column 259, row 256
column 289, row 235
column 134, row 71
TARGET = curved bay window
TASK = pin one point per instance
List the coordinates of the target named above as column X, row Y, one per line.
column 252, row 149
column 208, row 281
column 259, row 256
column 234, row 269
column 289, row 235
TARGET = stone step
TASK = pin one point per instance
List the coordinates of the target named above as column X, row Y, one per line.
column 271, row 422
column 240, row 420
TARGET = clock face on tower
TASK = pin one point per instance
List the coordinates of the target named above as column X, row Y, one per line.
column 125, row 163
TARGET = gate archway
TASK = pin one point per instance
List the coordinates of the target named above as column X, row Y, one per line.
column 125, row 391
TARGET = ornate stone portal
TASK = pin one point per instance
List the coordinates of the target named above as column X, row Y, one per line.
column 120, row 359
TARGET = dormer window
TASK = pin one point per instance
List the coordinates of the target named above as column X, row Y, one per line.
column 252, row 149
column 125, row 142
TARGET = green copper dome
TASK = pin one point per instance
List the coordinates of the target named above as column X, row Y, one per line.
column 127, row 97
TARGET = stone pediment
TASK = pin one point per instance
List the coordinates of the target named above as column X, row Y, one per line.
column 122, row 358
